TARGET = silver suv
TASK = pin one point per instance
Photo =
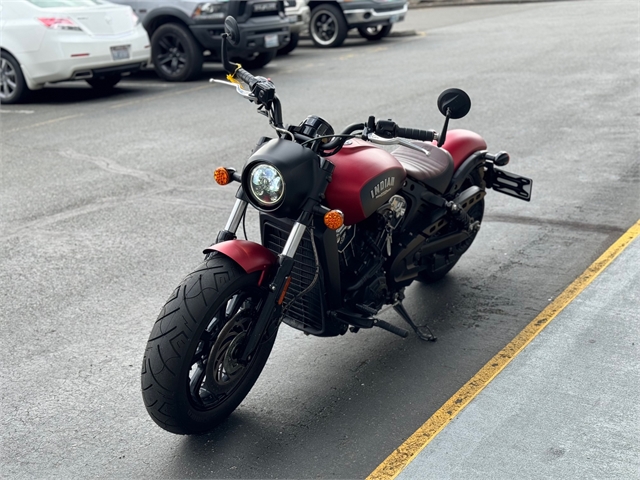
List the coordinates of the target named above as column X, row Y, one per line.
column 331, row 20
column 184, row 33
column 298, row 13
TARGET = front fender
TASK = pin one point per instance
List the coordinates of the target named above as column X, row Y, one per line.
column 251, row 256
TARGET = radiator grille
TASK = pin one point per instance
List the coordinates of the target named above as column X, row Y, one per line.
column 307, row 312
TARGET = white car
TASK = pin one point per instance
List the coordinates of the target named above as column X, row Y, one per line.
column 55, row 40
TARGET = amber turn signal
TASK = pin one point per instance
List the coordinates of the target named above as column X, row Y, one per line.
column 334, row 219
column 222, row 176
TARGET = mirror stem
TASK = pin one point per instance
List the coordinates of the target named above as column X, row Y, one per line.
column 443, row 134
column 228, row 66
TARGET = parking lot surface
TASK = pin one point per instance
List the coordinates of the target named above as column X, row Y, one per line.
column 107, row 202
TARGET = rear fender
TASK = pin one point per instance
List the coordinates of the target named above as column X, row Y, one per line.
column 251, row 256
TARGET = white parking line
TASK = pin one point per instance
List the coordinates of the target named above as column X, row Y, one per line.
column 26, row 112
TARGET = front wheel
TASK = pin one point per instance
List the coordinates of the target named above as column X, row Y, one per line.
column 327, row 26
column 176, row 55
column 375, row 33
column 191, row 376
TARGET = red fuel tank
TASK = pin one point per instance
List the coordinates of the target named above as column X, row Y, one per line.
column 365, row 177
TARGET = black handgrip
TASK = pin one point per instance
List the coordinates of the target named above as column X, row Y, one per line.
column 246, row 77
column 415, row 134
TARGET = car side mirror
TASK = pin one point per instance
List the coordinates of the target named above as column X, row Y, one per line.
column 232, row 30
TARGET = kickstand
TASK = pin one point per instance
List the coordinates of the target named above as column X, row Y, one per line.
column 423, row 332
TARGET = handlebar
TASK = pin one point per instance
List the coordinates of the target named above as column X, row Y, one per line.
column 415, row 134
column 246, row 77
column 263, row 92
column 389, row 129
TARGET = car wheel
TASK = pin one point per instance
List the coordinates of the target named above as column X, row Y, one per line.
column 176, row 55
column 259, row 60
column 290, row 47
column 327, row 26
column 104, row 82
column 376, row 32
column 13, row 88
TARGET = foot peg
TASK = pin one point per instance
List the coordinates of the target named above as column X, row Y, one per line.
column 423, row 332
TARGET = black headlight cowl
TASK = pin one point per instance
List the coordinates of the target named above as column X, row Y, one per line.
column 299, row 168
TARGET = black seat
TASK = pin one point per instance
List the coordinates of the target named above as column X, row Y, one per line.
column 434, row 170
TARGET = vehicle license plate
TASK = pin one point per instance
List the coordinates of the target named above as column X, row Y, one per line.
column 120, row 52
column 292, row 18
column 394, row 18
column 271, row 40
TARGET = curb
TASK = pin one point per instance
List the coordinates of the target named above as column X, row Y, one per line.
column 466, row 3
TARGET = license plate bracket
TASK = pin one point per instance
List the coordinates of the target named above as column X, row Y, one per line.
column 511, row 184
column 121, row 52
column 271, row 40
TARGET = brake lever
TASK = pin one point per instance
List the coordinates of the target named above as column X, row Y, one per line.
column 238, row 87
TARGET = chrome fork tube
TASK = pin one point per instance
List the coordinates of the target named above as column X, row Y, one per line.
column 293, row 241
column 236, row 216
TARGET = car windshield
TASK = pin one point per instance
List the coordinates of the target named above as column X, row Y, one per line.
column 65, row 3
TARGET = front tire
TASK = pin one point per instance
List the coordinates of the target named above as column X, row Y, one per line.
column 176, row 55
column 13, row 88
column 191, row 379
column 327, row 26
column 375, row 33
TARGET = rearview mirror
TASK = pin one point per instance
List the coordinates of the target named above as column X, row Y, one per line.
column 232, row 30
column 454, row 103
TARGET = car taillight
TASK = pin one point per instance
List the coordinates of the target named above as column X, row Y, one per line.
column 135, row 19
column 60, row 23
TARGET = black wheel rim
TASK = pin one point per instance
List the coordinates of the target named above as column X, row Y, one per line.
column 171, row 56
column 219, row 344
column 8, row 79
column 324, row 27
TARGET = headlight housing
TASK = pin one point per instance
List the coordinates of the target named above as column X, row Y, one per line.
column 266, row 185
column 280, row 176
column 209, row 10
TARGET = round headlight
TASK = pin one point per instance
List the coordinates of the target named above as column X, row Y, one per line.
column 266, row 184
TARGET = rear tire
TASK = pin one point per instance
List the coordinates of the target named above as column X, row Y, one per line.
column 105, row 82
column 176, row 55
column 327, row 27
column 199, row 331
column 375, row 33
column 437, row 270
column 13, row 88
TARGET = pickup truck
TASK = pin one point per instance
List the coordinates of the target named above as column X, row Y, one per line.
column 184, row 33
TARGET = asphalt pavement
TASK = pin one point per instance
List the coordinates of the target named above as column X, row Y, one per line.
column 107, row 202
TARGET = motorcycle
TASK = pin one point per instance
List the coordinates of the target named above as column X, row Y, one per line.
column 345, row 227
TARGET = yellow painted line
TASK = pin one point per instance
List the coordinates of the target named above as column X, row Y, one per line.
column 54, row 120
column 403, row 455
